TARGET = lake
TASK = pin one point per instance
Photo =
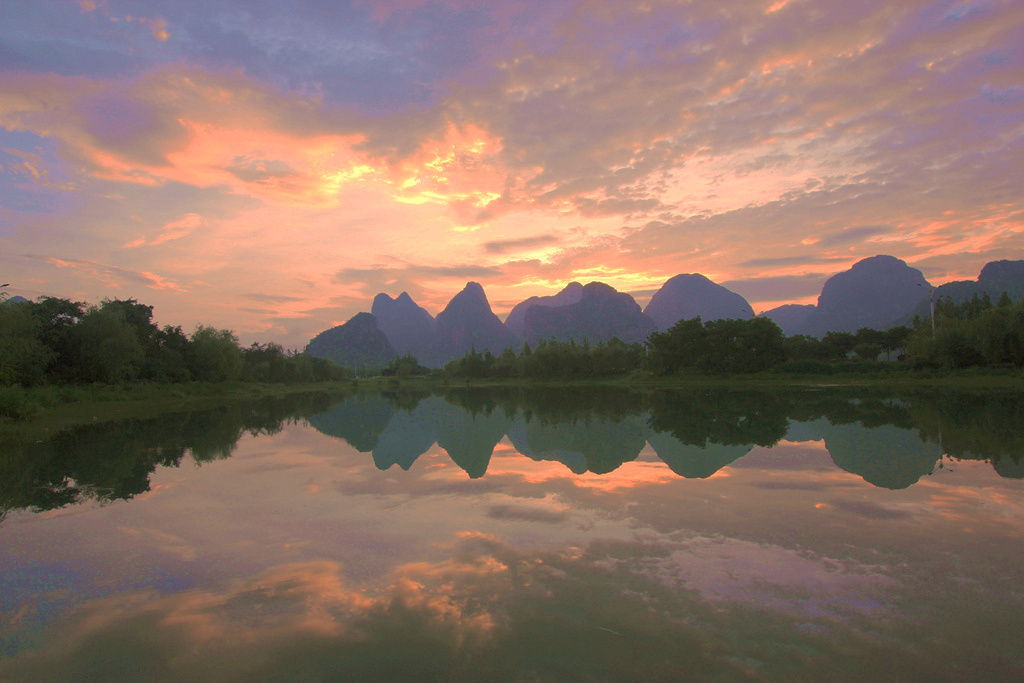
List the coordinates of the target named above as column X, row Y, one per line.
column 524, row 535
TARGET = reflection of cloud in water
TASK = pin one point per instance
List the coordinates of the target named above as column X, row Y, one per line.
column 613, row 610
column 727, row 569
column 522, row 513
column 864, row 508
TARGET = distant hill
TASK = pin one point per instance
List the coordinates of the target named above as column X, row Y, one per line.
column 358, row 342
column 516, row 319
column 468, row 323
column 14, row 300
column 601, row 313
column 408, row 327
column 789, row 317
column 995, row 278
column 690, row 295
column 876, row 292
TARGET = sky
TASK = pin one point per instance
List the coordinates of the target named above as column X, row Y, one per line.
column 270, row 167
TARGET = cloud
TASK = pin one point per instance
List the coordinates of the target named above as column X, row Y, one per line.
column 780, row 288
column 111, row 276
column 171, row 231
column 627, row 142
column 853, row 235
column 518, row 244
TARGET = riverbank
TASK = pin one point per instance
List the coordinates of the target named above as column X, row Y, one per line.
column 48, row 409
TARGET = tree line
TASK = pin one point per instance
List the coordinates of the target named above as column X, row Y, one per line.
column 975, row 333
column 59, row 341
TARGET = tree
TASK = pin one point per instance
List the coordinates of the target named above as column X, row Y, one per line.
column 23, row 356
column 214, row 355
column 108, row 346
column 56, row 319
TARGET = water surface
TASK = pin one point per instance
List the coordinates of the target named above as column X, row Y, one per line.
column 523, row 535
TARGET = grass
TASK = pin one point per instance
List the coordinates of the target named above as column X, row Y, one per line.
column 50, row 408
column 44, row 410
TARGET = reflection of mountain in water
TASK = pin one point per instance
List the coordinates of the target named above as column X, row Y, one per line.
column 594, row 444
column 1009, row 468
column 886, row 456
column 696, row 433
column 359, row 420
column 408, row 435
column 695, row 462
column 470, row 438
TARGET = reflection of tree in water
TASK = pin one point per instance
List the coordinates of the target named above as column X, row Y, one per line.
column 113, row 461
column 730, row 418
column 974, row 425
column 889, row 440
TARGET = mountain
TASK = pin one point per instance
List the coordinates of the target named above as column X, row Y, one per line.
column 876, row 292
column 789, row 317
column 516, row 319
column 995, row 278
column 14, row 300
column 357, row 342
column 600, row 314
column 468, row 323
column 690, row 295
column 407, row 326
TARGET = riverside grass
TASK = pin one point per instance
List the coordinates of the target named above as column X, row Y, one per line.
column 47, row 409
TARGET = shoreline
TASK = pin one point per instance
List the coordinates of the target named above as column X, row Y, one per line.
column 48, row 409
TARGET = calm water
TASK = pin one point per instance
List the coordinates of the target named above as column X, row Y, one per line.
column 523, row 536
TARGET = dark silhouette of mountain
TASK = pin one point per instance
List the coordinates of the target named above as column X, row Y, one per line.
column 357, row 342
column 467, row 323
column 407, row 326
column 14, row 300
column 691, row 295
column 517, row 316
column 790, row 318
column 1003, row 276
column 995, row 278
column 600, row 314
column 876, row 292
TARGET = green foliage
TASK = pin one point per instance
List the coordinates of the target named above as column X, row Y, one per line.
column 213, row 355
column 551, row 360
column 970, row 334
column 717, row 347
column 405, row 366
column 108, row 345
column 23, row 356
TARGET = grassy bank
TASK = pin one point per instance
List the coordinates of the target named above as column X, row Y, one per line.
column 50, row 408
column 42, row 410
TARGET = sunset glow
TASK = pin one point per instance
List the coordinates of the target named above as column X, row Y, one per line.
column 270, row 170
